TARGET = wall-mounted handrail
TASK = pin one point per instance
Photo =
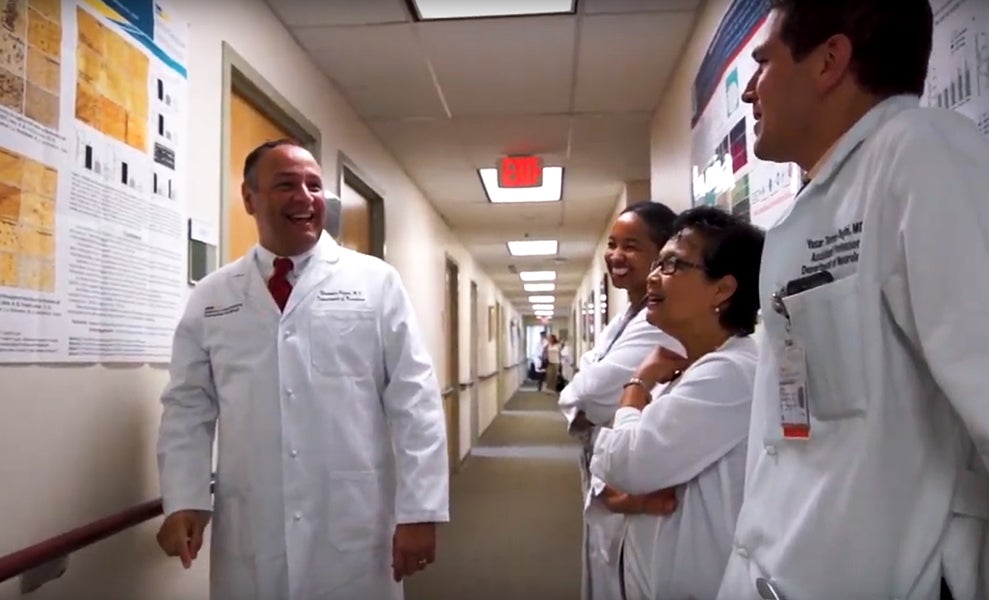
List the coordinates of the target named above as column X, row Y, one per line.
column 488, row 376
column 64, row 544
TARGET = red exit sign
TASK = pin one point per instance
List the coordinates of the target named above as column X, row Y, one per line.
column 520, row 172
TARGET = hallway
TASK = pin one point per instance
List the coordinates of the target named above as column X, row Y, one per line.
column 515, row 509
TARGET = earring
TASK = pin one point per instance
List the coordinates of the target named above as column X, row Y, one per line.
column 717, row 310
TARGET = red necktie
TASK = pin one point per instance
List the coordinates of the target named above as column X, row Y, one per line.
column 278, row 285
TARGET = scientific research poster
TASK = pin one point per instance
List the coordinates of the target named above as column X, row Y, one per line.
column 958, row 77
column 725, row 171
column 92, row 226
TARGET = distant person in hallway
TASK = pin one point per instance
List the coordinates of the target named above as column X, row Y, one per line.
column 870, row 425
column 591, row 398
column 332, row 464
column 552, row 362
column 684, row 414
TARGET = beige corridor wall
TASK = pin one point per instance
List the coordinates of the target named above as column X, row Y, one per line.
column 670, row 131
column 77, row 442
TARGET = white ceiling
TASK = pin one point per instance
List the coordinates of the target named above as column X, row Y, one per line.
column 449, row 97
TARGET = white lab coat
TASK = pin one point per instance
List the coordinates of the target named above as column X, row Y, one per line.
column 691, row 435
column 331, row 428
column 596, row 390
column 890, row 490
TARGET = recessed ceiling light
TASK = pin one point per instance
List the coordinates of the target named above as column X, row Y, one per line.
column 537, row 275
column 427, row 10
column 548, row 307
column 542, row 299
column 533, row 248
column 539, row 287
column 550, row 191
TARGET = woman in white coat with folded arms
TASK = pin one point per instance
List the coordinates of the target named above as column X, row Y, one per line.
column 690, row 432
column 590, row 400
column 332, row 464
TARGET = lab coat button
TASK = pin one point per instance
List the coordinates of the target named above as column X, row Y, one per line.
column 294, row 453
column 288, row 333
column 288, row 392
column 297, row 516
column 742, row 551
column 770, row 449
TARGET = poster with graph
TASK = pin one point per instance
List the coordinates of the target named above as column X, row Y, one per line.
column 725, row 172
column 92, row 225
column 958, row 76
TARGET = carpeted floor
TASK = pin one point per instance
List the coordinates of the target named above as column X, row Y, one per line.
column 515, row 528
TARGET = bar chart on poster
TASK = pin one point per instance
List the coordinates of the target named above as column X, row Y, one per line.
column 92, row 232
column 958, row 76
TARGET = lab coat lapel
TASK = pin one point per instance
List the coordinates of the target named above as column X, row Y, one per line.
column 327, row 253
column 250, row 286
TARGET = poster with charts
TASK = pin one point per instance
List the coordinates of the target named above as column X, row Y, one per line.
column 92, row 224
column 725, row 172
column 958, row 75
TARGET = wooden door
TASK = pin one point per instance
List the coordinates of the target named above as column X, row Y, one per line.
column 249, row 128
column 355, row 220
column 451, row 402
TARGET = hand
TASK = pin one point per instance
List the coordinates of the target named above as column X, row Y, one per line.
column 660, row 503
column 182, row 534
column 661, row 366
column 581, row 423
column 413, row 547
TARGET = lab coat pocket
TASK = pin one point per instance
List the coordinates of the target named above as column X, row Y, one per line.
column 340, row 341
column 827, row 322
column 356, row 516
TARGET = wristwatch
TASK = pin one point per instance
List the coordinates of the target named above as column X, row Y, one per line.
column 636, row 381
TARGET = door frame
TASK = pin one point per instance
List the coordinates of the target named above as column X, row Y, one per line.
column 451, row 291
column 240, row 77
column 348, row 172
column 475, row 349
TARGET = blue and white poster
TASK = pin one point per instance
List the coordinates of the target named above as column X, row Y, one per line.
column 92, row 219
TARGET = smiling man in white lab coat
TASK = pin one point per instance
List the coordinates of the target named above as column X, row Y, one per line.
column 332, row 465
column 870, row 425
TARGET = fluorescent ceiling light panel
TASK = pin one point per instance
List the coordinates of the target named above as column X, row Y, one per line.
column 476, row 9
column 550, row 191
column 543, row 313
column 537, row 276
column 533, row 248
column 548, row 307
column 542, row 299
column 539, row 287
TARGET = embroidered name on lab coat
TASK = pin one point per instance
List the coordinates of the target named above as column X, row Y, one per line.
column 212, row 311
column 834, row 250
column 347, row 296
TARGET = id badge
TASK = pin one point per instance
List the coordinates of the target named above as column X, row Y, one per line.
column 794, row 413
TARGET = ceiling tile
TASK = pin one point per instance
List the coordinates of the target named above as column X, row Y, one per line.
column 338, row 12
column 370, row 63
column 636, row 6
column 503, row 66
column 630, row 75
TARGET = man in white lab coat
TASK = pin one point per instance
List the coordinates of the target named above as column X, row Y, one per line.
column 866, row 469
column 332, row 465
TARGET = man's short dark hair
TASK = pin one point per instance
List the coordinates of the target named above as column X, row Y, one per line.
column 731, row 247
column 891, row 39
column 252, row 160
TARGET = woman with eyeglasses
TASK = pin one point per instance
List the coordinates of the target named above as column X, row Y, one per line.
column 684, row 416
column 591, row 398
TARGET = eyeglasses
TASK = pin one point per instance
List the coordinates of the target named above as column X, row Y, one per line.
column 672, row 264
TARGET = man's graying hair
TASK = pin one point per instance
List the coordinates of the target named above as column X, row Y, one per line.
column 252, row 160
